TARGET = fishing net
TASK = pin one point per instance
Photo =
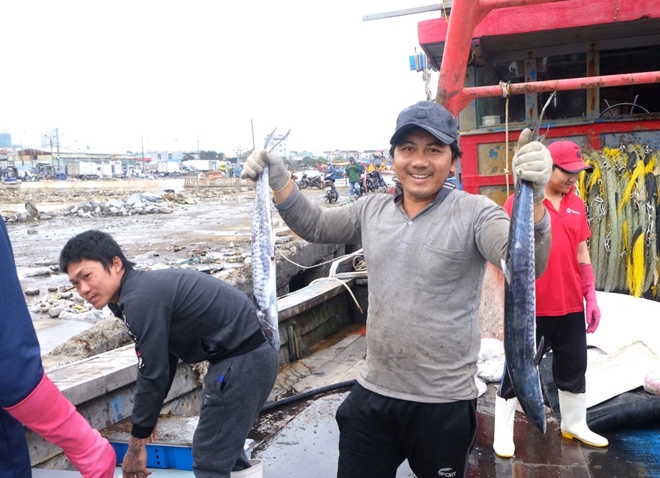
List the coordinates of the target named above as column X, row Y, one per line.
column 621, row 197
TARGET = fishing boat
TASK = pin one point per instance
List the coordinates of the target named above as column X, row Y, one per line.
column 601, row 57
column 322, row 330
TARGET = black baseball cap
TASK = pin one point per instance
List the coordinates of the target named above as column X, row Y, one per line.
column 431, row 117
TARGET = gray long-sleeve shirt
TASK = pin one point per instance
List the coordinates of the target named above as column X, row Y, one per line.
column 425, row 279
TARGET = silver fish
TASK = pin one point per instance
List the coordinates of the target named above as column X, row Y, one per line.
column 264, row 279
column 522, row 357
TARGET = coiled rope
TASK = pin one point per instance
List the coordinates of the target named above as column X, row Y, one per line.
column 621, row 198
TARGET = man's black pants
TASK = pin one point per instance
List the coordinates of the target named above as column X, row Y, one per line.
column 378, row 433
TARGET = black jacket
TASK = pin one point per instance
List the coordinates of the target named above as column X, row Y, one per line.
column 176, row 314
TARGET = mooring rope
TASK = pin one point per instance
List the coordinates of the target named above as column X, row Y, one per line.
column 621, row 197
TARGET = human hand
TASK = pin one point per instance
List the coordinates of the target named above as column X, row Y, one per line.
column 593, row 314
column 532, row 162
column 278, row 176
column 134, row 464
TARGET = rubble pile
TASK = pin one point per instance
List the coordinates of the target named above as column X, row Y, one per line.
column 135, row 204
column 65, row 303
column 16, row 196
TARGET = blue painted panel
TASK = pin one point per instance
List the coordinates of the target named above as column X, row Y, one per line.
column 614, row 140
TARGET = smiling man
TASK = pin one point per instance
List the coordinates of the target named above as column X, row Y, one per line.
column 426, row 248
column 174, row 314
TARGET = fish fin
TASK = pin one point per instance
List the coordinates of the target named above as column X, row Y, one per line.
column 537, row 126
column 542, row 137
column 269, row 140
column 539, row 352
column 505, row 270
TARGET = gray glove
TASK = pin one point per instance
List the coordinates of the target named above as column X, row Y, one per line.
column 532, row 162
column 278, row 176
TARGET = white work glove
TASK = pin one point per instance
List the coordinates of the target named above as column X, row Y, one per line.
column 532, row 162
column 278, row 177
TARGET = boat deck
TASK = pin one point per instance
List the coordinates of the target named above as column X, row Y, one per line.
column 307, row 445
column 300, row 440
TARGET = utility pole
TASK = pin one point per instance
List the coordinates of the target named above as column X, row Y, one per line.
column 50, row 139
column 57, row 144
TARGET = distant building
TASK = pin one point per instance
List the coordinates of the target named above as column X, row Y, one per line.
column 341, row 154
column 5, row 140
column 282, row 148
column 156, row 156
column 369, row 154
column 300, row 155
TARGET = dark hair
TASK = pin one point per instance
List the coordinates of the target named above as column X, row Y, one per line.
column 456, row 153
column 93, row 246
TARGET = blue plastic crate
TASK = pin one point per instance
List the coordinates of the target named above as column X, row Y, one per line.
column 160, row 456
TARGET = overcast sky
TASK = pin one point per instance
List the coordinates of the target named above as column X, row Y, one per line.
column 109, row 73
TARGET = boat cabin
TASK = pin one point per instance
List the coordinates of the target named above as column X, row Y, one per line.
column 561, row 40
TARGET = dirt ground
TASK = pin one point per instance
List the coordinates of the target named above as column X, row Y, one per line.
column 213, row 224
column 208, row 231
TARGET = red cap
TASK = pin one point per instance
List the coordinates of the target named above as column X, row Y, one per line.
column 568, row 156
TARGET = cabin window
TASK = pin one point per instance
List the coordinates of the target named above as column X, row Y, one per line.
column 567, row 104
column 621, row 100
column 491, row 111
column 571, row 104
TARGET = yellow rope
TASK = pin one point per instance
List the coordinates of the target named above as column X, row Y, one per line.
column 627, row 193
column 444, row 11
column 636, row 265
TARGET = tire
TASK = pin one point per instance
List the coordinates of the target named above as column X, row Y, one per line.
column 333, row 197
column 319, row 184
column 303, row 184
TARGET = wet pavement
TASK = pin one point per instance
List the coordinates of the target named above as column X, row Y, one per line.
column 308, row 447
column 551, row 455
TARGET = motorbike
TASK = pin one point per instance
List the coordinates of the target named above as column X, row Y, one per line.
column 303, row 182
column 317, row 181
column 331, row 194
column 375, row 182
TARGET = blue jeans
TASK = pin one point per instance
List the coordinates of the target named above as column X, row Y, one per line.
column 355, row 188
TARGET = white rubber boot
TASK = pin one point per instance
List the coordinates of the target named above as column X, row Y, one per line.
column 573, row 408
column 505, row 413
column 255, row 471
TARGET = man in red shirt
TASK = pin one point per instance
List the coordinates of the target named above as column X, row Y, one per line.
column 560, row 312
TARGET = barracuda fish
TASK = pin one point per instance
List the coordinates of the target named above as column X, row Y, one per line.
column 522, row 357
column 264, row 279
